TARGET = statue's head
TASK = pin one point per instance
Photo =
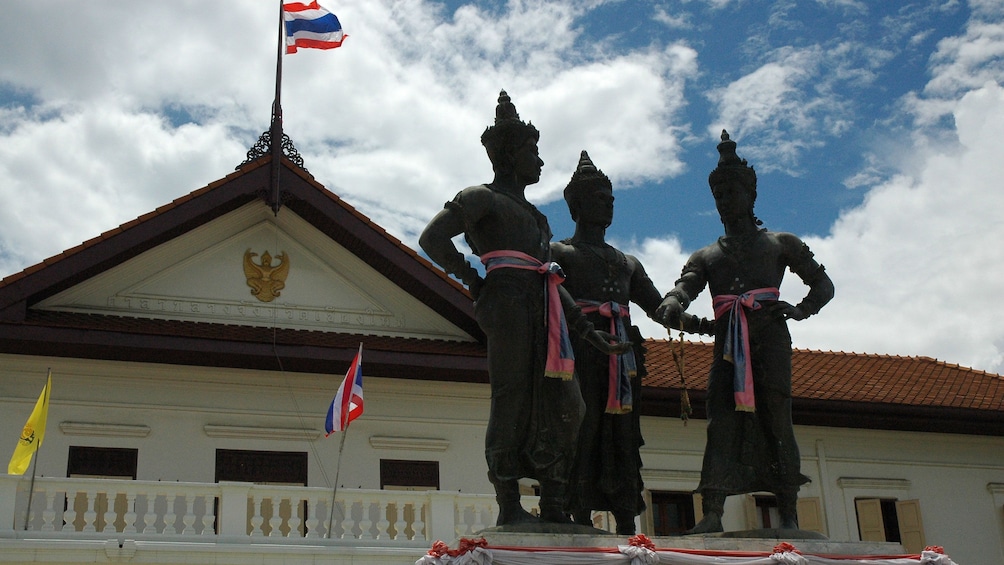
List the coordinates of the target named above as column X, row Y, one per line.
column 589, row 194
column 733, row 170
column 503, row 139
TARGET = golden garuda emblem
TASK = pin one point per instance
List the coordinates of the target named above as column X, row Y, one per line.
column 265, row 279
column 28, row 434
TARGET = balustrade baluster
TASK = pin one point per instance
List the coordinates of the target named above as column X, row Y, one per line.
column 418, row 524
column 366, row 523
column 49, row 512
column 142, row 526
column 348, row 521
column 382, row 523
column 400, row 525
column 189, row 517
column 90, row 515
column 295, row 506
column 203, row 528
column 70, row 514
column 312, row 521
column 170, row 517
column 256, row 518
column 130, row 514
column 276, row 520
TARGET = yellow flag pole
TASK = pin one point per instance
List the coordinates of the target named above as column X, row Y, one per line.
column 34, row 464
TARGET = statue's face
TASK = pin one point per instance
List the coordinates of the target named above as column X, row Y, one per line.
column 526, row 162
column 596, row 206
column 732, row 199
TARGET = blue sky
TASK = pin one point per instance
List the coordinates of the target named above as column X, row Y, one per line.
column 873, row 126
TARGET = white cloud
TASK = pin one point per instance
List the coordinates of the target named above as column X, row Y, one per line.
column 92, row 169
column 917, row 266
column 773, row 103
column 391, row 121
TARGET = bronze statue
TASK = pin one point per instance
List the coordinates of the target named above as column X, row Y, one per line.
column 751, row 444
column 603, row 280
column 536, row 405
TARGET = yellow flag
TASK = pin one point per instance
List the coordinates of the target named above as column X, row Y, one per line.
column 33, row 433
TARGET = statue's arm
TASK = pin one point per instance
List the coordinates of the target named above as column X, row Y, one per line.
column 647, row 296
column 691, row 282
column 643, row 291
column 437, row 238
column 801, row 262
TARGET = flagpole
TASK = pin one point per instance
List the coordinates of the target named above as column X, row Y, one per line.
column 275, row 129
column 334, row 491
column 31, row 491
column 34, row 463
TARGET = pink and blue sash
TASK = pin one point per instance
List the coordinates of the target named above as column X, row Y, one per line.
column 560, row 362
column 622, row 366
column 737, row 339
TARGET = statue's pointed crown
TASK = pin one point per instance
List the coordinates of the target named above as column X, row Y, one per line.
column 587, row 171
column 730, row 165
column 727, row 153
column 505, row 110
column 508, row 129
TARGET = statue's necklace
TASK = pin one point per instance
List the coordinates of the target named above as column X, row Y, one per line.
column 739, row 245
column 615, row 261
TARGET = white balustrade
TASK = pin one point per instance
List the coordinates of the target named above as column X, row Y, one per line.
column 87, row 508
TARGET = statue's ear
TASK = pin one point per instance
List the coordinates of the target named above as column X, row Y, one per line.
column 506, row 159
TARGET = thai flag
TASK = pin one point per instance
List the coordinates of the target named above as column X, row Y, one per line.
column 311, row 26
column 348, row 403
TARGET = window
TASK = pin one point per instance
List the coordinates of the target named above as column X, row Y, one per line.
column 399, row 474
column 262, row 467
column 888, row 519
column 101, row 463
column 672, row 512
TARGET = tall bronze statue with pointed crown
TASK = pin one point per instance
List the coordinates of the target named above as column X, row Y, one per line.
column 604, row 280
column 751, row 444
column 536, row 405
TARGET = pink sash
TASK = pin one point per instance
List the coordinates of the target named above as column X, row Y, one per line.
column 560, row 359
column 622, row 366
column 737, row 340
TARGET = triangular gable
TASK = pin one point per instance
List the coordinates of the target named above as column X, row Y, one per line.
column 200, row 276
column 334, row 239
column 83, row 302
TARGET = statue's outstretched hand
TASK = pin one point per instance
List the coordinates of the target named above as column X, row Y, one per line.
column 606, row 342
column 668, row 313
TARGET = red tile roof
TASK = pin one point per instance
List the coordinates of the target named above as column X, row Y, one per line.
column 848, row 389
column 853, row 377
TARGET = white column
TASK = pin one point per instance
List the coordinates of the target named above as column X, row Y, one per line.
column 442, row 523
column 8, row 501
column 233, row 518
